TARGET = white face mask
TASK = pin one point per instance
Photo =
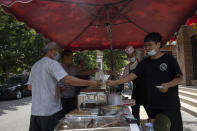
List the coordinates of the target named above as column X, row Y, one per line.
column 57, row 56
column 132, row 59
column 152, row 52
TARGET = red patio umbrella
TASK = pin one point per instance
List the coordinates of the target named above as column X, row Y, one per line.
column 94, row 24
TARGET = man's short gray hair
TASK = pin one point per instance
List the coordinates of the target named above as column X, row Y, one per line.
column 50, row 46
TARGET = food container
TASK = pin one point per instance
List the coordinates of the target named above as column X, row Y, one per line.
column 93, row 123
column 112, row 109
column 114, row 99
column 91, row 97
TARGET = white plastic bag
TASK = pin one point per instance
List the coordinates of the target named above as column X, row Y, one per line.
column 100, row 76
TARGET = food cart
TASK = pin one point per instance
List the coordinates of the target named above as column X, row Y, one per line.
column 95, row 114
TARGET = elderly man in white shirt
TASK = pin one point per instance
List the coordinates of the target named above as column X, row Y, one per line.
column 46, row 104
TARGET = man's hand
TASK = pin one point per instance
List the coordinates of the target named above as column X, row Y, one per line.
column 165, row 88
column 95, row 84
column 110, row 83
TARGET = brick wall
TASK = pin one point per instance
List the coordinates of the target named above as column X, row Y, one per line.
column 184, row 53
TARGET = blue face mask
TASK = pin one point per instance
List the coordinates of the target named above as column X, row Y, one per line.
column 132, row 59
column 57, row 56
column 152, row 52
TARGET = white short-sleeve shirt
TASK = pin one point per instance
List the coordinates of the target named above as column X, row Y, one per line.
column 43, row 78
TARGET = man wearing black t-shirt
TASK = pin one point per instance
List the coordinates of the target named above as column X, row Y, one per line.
column 162, row 75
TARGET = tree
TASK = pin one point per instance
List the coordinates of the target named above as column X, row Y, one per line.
column 20, row 46
column 89, row 58
column 120, row 60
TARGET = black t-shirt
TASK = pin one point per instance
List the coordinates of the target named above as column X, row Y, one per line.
column 155, row 73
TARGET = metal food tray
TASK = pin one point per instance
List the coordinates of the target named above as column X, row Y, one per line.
column 100, row 129
column 92, row 112
column 75, row 116
column 99, row 124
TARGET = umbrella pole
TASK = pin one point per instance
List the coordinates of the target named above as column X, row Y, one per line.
column 108, row 26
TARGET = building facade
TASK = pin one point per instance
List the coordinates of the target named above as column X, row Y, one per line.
column 186, row 50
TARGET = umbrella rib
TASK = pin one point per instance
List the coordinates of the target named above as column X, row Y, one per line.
column 89, row 12
column 86, row 3
column 83, row 30
column 116, row 3
column 69, row 2
column 130, row 21
column 112, row 24
column 122, row 9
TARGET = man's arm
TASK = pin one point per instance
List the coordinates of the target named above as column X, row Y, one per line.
column 177, row 80
column 128, row 78
column 73, row 81
column 29, row 87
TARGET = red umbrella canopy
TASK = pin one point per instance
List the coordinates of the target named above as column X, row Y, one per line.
column 92, row 24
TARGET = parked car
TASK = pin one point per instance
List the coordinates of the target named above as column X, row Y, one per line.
column 15, row 87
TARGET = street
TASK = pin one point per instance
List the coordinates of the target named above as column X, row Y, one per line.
column 15, row 115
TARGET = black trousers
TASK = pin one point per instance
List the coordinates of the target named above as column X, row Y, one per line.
column 136, row 111
column 68, row 104
column 173, row 114
column 44, row 123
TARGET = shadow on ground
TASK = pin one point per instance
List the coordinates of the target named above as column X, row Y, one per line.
column 190, row 125
column 11, row 105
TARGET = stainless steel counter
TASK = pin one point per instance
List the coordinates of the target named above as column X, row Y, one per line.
column 92, row 123
column 118, row 122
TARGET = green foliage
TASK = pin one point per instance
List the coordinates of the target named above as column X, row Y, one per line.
column 20, row 46
column 89, row 58
column 119, row 60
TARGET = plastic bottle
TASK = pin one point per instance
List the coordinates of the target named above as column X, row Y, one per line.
column 100, row 77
